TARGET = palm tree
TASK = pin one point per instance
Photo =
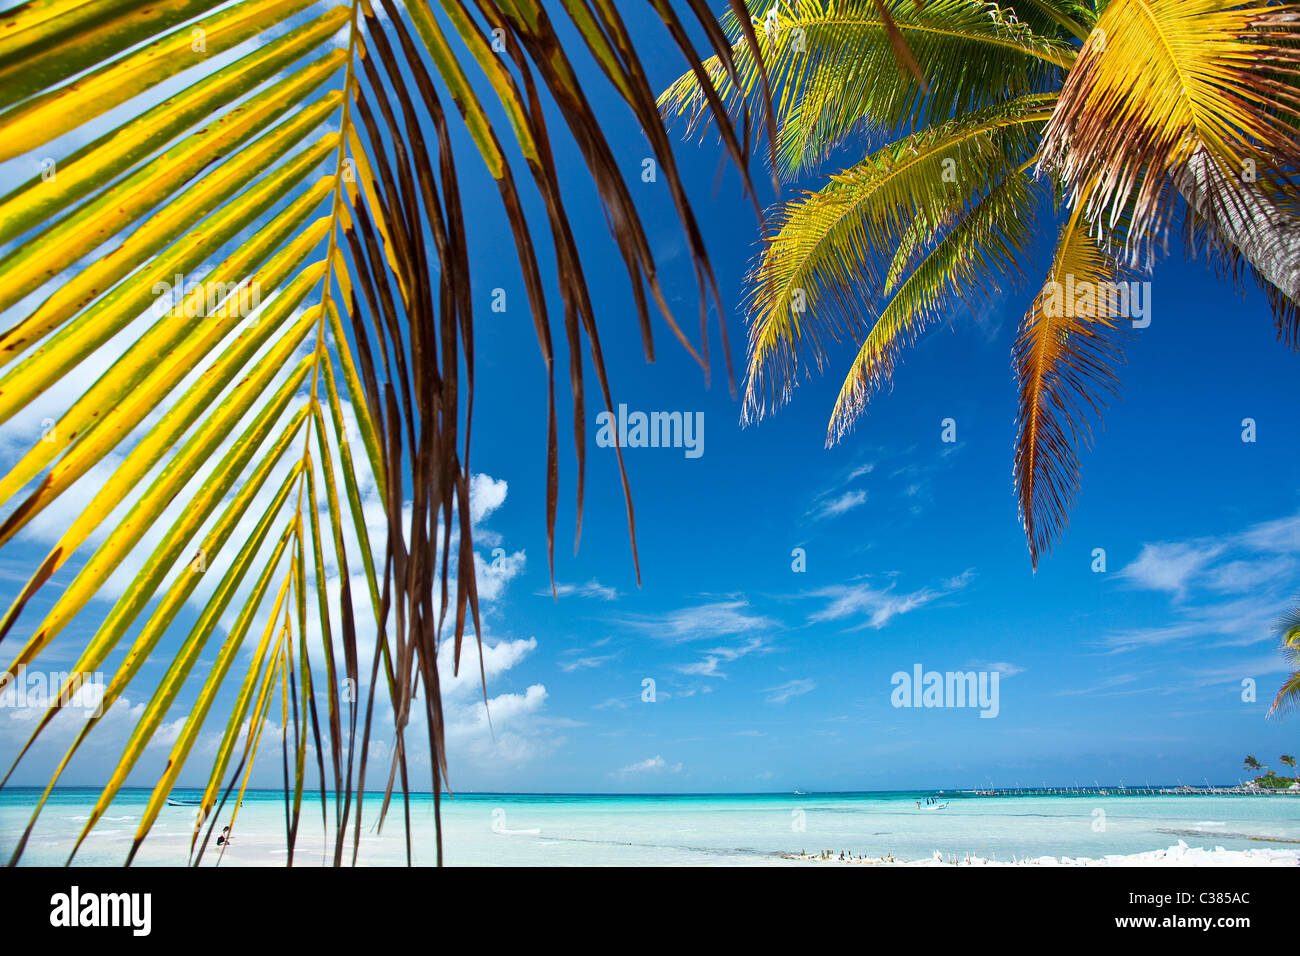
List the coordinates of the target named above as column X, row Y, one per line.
column 1289, row 760
column 1288, row 695
column 1250, row 763
column 230, row 431
column 1122, row 111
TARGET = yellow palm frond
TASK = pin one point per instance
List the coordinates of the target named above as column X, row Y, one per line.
column 1065, row 356
column 1159, row 81
column 244, row 300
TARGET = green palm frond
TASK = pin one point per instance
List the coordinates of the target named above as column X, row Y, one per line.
column 1145, row 101
column 1288, row 695
column 987, row 242
column 835, row 72
column 1073, row 17
column 1289, row 627
column 831, row 248
column 228, row 433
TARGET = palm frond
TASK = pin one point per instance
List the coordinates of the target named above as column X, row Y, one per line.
column 1159, row 81
column 1073, row 17
column 831, row 247
column 228, row 435
column 1288, row 695
column 1065, row 357
column 1288, row 627
column 834, row 71
column 1245, row 228
column 987, row 241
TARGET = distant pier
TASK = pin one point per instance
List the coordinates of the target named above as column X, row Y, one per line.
column 1239, row 790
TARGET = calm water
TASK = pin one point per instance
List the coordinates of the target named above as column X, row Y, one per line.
column 744, row 829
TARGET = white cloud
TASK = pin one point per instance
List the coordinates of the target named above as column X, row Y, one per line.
column 1169, row 567
column 505, row 731
column 486, row 495
column 655, row 764
column 491, row 575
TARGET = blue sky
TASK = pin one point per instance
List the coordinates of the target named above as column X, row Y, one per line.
column 780, row 680
column 770, row 679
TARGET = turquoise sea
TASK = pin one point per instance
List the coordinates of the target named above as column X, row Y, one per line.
column 679, row 829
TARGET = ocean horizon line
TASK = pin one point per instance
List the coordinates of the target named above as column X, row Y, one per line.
column 1054, row 790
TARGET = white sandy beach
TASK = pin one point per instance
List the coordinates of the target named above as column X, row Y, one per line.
column 698, row 830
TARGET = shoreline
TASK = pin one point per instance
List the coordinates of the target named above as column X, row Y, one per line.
column 1178, row 855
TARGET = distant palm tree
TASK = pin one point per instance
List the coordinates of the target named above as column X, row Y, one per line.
column 1250, row 763
column 1116, row 110
column 1288, row 629
column 312, row 184
column 1289, row 760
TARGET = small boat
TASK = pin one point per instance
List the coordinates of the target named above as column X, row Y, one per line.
column 182, row 803
column 934, row 806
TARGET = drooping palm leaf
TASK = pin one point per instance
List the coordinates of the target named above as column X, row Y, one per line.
column 1065, row 356
column 326, row 349
column 987, row 242
column 831, row 248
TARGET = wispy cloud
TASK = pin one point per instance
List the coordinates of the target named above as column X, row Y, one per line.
column 1003, row 668
column 1104, row 688
column 592, row 589
column 705, row 621
column 790, row 690
column 840, row 498
column 708, row 665
column 1253, row 569
column 838, row 505
column 876, row 607
column 1177, row 567
column 585, row 663
column 1243, row 621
